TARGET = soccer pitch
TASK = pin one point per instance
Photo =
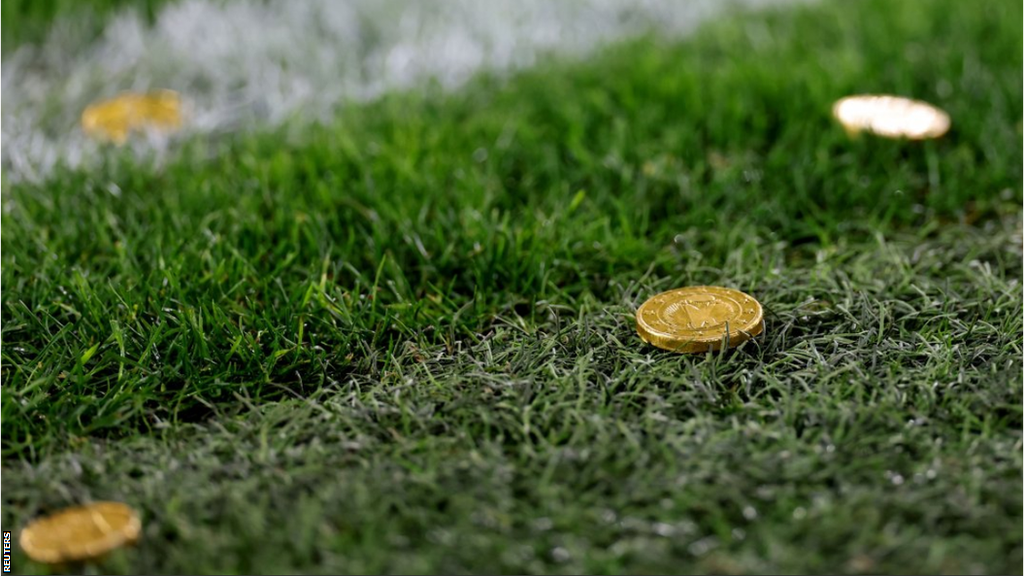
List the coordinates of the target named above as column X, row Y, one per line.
column 397, row 335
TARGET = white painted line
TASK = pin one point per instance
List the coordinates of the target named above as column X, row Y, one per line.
column 247, row 64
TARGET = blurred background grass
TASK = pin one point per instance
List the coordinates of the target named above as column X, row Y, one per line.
column 28, row 21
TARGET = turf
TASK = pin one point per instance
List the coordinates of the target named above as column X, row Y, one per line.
column 30, row 21
column 404, row 342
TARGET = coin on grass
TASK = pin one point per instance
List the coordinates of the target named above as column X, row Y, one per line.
column 891, row 116
column 115, row 119
column 80, row 533
column 699, row 318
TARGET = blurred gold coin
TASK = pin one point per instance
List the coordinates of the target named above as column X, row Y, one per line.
column 80, row 533
column 891, row 117
column 699, row 318
column 116, row 118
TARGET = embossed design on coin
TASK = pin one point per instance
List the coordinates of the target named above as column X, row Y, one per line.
column 891, row 116
column 699, row 318
column 80, row 533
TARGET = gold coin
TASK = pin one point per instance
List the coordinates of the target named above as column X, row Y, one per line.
column 116, row 118
column 699, row 318
column 80, row 533
column 891, row 116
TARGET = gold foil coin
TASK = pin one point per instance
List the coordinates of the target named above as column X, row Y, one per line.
column 699, row 318
column 891, row 117
column 116, row 118
column 80, row 533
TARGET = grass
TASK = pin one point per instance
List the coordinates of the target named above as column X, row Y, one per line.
column 404, row 342
column 29, row 21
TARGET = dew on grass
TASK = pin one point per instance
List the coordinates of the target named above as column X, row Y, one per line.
column 559, row 554
column 663, row 529
column 702, row 546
